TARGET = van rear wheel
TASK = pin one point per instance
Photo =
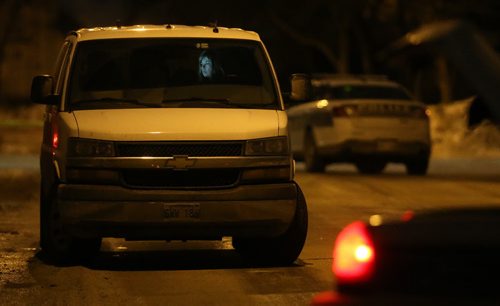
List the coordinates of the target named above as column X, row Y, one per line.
column 281, row 250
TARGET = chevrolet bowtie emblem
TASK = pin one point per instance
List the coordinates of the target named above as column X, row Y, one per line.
column 179, row 162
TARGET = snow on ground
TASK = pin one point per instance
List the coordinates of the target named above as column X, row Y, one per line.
column 452, row 139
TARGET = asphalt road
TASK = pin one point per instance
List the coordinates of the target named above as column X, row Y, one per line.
column 211, row 273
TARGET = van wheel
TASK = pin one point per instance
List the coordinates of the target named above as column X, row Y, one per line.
column 371, row 167
column 57, row 245
column 281, row 250
column 314, row 162
column 417, row 166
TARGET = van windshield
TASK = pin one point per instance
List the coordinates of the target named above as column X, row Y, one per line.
column 171, row 72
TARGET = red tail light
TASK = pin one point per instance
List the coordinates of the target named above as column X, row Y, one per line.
column 354, row 255
column 407, row 215
column 344, row 111
column 420, row 112
column 55, row 135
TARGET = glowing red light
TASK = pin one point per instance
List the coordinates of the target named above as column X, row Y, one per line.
column 326, row 298
column 343, row 111
column 55, row 140
column 353, row 255
column 363, row 253
column 407, row 215
column 55, row 135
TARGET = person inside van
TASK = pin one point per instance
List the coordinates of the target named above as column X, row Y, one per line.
column 209, row 69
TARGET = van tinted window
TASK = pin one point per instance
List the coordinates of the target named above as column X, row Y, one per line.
column 161, row 70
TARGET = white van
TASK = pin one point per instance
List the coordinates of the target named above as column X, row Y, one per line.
column 167, row 133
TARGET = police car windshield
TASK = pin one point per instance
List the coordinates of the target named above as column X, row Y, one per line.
column 159, row 70
column 361, row 92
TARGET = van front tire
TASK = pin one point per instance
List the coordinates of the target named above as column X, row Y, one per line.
column 281, row 250
column 57, row 245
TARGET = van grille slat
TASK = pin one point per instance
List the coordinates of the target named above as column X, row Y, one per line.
column 171, row 149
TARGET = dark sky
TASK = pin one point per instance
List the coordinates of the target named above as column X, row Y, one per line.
column 369, row 25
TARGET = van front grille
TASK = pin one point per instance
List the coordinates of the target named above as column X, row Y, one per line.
column 162, row 149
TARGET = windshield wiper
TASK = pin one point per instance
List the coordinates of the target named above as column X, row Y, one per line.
column 256, row 105
column 195, row 99
column 223, row 101
column 119, row 100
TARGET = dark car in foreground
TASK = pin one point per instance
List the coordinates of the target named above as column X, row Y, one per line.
column 446, row 257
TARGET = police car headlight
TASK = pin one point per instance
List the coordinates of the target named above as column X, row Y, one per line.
column 267, row 146
column 81, row 147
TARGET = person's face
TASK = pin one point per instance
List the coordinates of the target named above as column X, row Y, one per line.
column 206, row 66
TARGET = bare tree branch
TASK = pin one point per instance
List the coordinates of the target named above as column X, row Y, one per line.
column 11, row 12
column 305, row 40
column 361, row 39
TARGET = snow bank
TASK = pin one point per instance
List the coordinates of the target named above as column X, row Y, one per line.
column 452, row 138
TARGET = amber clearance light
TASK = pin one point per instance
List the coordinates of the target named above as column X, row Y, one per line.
column 354, row 255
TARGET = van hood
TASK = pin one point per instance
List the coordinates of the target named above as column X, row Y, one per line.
column 178, row 124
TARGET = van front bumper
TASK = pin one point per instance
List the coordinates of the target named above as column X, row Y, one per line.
column 264, row 210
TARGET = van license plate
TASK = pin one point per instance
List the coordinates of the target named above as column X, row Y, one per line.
column 173, row 211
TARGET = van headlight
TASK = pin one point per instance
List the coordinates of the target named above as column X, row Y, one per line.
column 82, row 147
column 267, row 146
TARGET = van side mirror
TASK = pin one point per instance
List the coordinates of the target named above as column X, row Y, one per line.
column 301, row 87
column 42, row 90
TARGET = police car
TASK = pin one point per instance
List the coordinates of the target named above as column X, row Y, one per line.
column 366, row 120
